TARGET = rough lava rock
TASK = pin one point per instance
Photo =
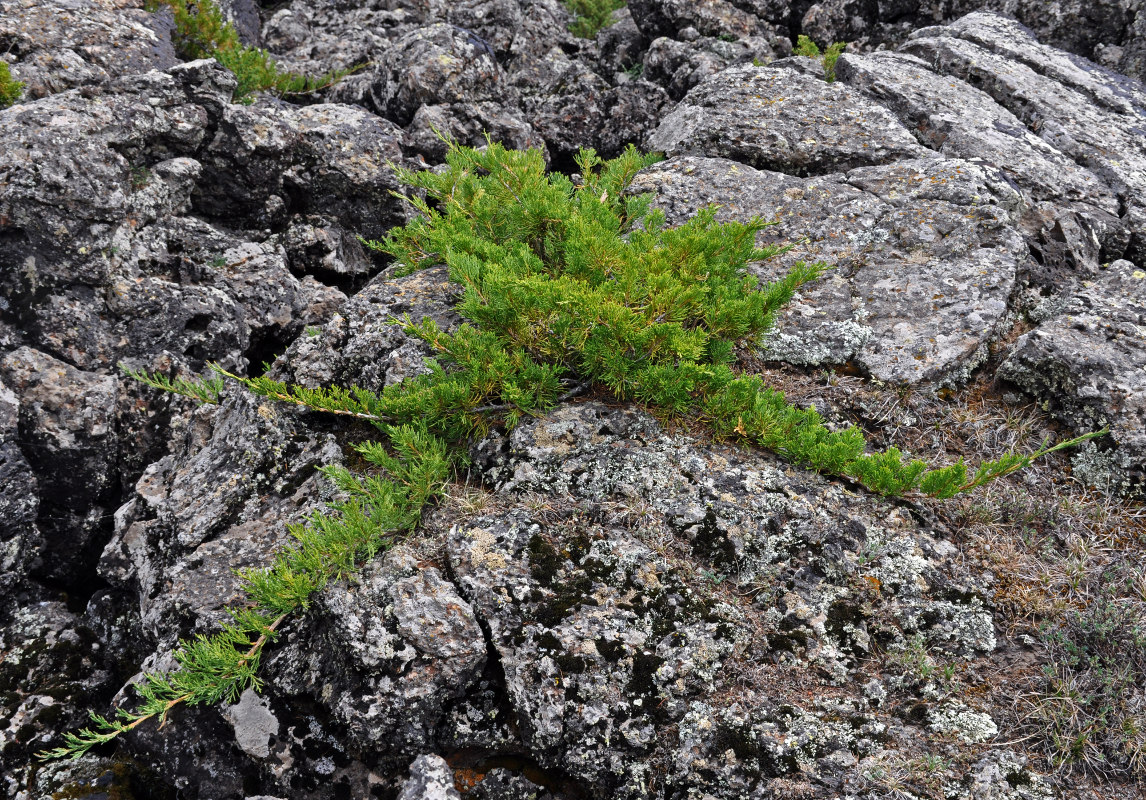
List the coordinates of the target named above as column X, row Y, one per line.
column 1085, row 365
column 622, row 609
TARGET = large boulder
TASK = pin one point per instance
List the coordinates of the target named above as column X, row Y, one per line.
column 784, row 121
column 62, row 44
column 923, row 253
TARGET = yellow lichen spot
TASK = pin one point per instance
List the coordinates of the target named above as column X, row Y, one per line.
column 1139, row 274
column 483, row 552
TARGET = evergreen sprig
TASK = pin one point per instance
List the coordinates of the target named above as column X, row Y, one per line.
column 204, row 390
column 202, row 31
column 328, row 546
column 569, row 283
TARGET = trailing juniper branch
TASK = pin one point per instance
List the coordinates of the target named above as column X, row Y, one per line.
column 219, row 667
column 565, row 285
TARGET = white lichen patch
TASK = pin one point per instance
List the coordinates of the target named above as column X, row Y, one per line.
column 956, row 719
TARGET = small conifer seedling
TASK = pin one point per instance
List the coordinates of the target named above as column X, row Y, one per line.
column 569, row 283
column 202, row 31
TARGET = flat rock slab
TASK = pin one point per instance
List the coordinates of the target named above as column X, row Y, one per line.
column 782, row 120
column 924, row 254
column 1093, row 116
column 1088, row 367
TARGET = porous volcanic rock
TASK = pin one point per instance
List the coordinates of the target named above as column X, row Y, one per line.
column 54, row 46
column 1085, row 365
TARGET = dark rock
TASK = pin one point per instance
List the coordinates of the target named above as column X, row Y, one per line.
column 728, row 18
column 679, row 66
column 67, row 431
column 924, row 253
column 20, row 540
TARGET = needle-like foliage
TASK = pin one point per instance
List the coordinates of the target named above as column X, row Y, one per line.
column 569, row 283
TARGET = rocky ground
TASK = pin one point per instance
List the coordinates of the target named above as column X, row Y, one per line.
column 605, row 606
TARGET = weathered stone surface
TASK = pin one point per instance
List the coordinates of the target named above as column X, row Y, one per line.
column 427, row 66
column 731, row 18
column 54, row 45
column 1090, row 115
column 1111, row 32
column 20, row 540
column 781, row 120
column 923, row 253
column 53, row 665
column 247, row 469
column 680, row 65
column 1087, row 365
column 606, row 643
column 388, row 657
column 363, row 347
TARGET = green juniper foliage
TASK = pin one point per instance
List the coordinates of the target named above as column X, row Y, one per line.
column 10, row 90
column 569, row 283
column 591, row 15
column 201, row 31
column 829, row 57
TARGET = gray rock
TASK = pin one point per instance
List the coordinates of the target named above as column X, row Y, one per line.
column 220, row 502
column 363, row 347
column 1109, row 31
column 53, row 666
column 923, row 251
column 1087, row 366
column 1087, row 113
column 435, row 64
column 679, row 66
column 388, row 657
column 55, row 45
column 430, row 779
column 604, row 643
column 781, row 120
column 1072, row 222
column 710, row 17
column 469, row 123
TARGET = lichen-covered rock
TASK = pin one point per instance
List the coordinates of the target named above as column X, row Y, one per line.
column 53, row 666
column 439, row 63
column 430, row 779
column 730, row 18
column 1111, row 32
column 924, row 253
column 20, row 539
column 632, row 646
column 680, row 65
column 247, row 470
column 1087, row 366
column 55, row 45
column 781, row 120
